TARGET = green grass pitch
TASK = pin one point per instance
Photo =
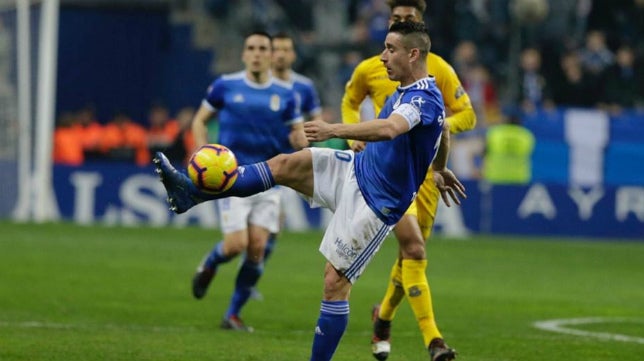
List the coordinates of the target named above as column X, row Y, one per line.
column 95, row 293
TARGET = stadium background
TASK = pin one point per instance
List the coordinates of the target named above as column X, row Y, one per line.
column 102, row 270
column 126, row 56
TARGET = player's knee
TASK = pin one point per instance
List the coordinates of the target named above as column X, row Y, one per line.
column 336, row 286
column 255, row 253
column 290, row 169
column 234, row 247
column 279, row 168
column 413, row 249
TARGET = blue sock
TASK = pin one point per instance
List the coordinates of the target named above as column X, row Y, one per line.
column 270, row 244
column 334, row 316
column 247, row 278
column 252, row 179
column 216, row 256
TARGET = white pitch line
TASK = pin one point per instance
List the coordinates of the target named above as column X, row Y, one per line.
column 560, row 327
column 73, row 326
column 153, row 328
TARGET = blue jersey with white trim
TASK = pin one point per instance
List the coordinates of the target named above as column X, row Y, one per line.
column 389, row 173
column 254, row 119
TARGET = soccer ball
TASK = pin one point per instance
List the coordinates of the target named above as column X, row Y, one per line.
column 213, row 168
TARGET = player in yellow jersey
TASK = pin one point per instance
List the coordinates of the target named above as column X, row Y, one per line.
column 408, row 277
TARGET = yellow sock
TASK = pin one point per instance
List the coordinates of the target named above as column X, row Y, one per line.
column 416, row 288
column 393, row 295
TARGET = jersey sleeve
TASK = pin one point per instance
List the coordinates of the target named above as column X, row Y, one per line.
column 215, row 95
column 410, row 113
column 292, row 113
column 457, row 102
column 355, row 92
column 420, row 107
column 310, row 101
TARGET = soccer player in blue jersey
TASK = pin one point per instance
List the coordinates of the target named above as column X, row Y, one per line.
column 306, row 96
column 368, row 191
column 284, row 57
column 307, row 100
column 259, row 118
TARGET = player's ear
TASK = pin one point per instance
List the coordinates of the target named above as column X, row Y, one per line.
column 414, row 54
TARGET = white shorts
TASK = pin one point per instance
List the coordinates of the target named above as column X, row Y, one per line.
column 262, row 209
column 354, row 233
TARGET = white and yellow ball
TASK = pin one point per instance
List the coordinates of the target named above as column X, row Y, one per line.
column 213, row 168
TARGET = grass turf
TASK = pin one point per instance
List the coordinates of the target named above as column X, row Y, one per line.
column 95, row 293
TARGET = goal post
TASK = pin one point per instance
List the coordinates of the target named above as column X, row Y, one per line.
column 45, row 206
column 28, row 53
column 22, row 209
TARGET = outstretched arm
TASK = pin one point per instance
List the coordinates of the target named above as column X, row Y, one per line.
column 375, row 130
column 440, row 161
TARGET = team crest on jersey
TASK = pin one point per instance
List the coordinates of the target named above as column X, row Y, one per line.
column 414, row 291
column 417, row 102
column 238, row 98
column 275, row 102
column 459, row 92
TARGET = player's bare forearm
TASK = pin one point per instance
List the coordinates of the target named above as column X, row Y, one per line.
column 446, row 182
column 374, row 130
column 440, row 161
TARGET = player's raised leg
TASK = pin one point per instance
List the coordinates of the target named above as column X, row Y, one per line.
column 183, row 194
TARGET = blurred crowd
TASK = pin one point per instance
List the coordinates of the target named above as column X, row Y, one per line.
column 80, row 137
column 507, row 53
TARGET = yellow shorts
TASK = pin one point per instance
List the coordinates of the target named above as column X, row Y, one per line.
column 424, row 207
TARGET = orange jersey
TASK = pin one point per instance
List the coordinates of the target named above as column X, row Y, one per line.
column 127, row 135
column 91, row 135
column 68, row 146
column 164, row 135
